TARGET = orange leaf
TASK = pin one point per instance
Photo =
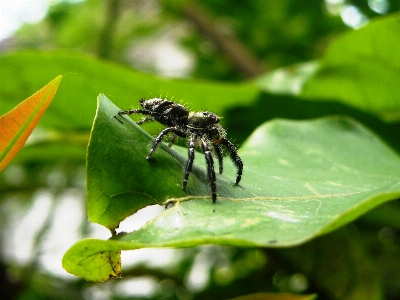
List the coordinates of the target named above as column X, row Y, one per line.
column 18, row 124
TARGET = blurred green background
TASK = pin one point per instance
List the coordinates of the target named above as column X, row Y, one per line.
column 261, row 60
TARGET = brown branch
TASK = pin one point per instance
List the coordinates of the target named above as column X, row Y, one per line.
column 239, row 54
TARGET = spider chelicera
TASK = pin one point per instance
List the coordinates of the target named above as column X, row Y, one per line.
column 202, row 127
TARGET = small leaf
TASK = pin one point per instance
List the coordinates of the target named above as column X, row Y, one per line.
column 18, row 124
column 98, row 266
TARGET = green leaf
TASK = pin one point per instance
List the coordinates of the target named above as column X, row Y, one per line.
column 85, row 76
column 287, row 80
column 70, row 117
column 93, row 263
column 362, row 69
column 302, row 179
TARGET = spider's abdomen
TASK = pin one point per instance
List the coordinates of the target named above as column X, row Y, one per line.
column 166, row 112
column 202, row 120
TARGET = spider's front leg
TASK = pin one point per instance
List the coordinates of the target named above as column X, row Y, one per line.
column 134, row 111
column 128, row 112
column 138, row 111
column 210, row 168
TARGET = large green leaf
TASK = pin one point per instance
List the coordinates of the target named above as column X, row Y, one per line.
column 85, row 76
column 362, row 69
column 70, row 117
column 301, row 179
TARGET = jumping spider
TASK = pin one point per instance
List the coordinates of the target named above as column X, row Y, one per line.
column 200, row 126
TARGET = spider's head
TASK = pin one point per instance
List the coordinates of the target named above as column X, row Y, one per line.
column 202, row 119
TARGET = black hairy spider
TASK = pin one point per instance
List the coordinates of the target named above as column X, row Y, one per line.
column 200, row 126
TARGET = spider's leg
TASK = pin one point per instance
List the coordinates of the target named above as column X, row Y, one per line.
column 133, row 111
column 218, row 152
column 172, row 141
column 136, row 111
column 144, row 120
column 189, row 164
column 235, row 158
column 158, row 140
column 210, row 168
column 130, row 112
column 139, row 111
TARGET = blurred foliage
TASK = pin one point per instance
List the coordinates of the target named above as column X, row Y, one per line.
column 275, row 34
column 212, row 40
